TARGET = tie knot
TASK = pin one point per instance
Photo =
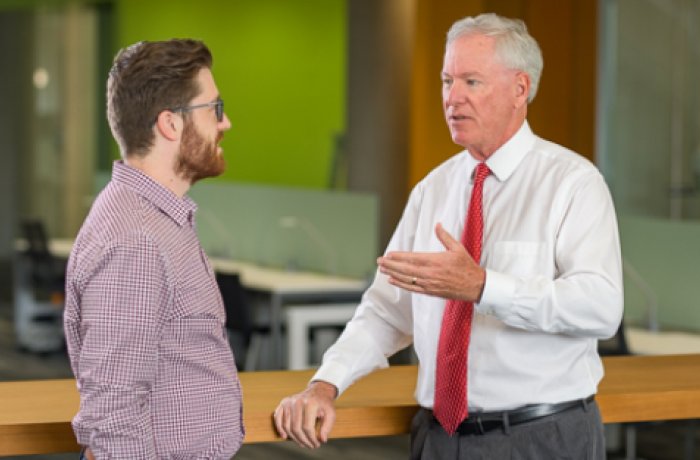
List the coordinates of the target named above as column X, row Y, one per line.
column 481, row 172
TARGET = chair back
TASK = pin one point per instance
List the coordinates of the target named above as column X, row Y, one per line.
column 34, row 233
column 616, row 345
column 47, row 272
column 236, row 304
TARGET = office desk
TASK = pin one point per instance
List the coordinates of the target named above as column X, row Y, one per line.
column 35, row 416
column 287, row 287
column 301, row 318
column 645, row 342
column 60, row 247
column 284, row 287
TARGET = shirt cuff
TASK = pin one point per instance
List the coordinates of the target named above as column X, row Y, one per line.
column 335, row 374
column 497, row 298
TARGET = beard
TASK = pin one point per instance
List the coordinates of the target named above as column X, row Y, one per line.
column 198, row 157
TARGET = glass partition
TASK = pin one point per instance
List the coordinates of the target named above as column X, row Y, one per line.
column 648, row 148
column 649, row 104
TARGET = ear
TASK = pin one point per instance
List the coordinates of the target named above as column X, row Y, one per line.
column 522, row 88
column 169, row 125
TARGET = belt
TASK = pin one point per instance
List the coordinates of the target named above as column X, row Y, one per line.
column 482, row 422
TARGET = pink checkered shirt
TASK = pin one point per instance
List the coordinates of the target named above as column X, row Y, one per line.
column 144, row 324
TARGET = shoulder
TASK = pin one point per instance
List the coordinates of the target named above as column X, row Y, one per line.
column 116, row 212
column 556, row 162
column 558, row 156
column 118, row 222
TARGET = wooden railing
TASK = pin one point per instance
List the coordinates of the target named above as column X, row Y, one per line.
column 35, row 415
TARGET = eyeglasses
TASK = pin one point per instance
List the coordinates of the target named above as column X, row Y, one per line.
column 217, row 104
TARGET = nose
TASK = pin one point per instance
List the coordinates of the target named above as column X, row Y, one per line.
column 225, row 123
column 455, row 94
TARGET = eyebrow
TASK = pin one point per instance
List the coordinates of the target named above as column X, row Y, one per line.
column 461, row 75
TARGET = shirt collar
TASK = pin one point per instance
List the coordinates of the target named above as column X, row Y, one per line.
column 503, row 161
column 181, row 210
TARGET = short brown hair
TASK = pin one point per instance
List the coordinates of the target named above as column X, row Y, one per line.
column 147, row 78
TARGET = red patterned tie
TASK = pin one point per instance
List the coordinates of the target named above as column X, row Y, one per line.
column 450, row 406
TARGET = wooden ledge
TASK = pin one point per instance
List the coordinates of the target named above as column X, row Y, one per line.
column 35, row 416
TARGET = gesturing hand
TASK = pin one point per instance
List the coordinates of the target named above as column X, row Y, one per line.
column 451, row 274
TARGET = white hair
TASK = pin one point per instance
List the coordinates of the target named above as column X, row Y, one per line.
column 515, row 47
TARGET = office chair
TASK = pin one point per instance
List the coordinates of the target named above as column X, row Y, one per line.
column 615, row 346
column 47, row 272
column 38, row 293
column 245, row 338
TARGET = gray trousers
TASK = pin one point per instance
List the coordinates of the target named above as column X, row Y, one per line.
column 575, row 434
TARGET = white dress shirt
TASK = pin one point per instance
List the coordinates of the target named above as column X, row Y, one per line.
column 553, row 280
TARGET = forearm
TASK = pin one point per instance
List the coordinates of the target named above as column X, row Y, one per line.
column 379, row 329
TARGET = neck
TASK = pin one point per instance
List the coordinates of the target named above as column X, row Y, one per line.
column 482, row 153
column 160, row 170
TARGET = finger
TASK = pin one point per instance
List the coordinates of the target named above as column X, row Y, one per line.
column 296, row 431
column 446, row 239
column 401, row 279
column 394, row 268
column 291, row 419
column 311, row 415
column 288, row 420
column 408, row 285
column 406, row 266
column 327, row 424
column 391, row 260
column 281, row 421
column 404, row 258
column 403, row 274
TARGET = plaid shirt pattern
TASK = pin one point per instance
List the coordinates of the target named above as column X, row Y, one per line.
column 144, row 324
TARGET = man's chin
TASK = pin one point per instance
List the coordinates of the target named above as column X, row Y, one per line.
column 222, row 165
column 210, row 172
column 220, row 168
column 459, row 140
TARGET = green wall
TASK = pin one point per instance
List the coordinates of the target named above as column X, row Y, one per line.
column 280, row 66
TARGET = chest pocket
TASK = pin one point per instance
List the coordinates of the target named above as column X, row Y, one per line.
column 518, row 258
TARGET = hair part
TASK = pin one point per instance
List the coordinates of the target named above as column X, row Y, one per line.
column 147, row 78
column 515, row 47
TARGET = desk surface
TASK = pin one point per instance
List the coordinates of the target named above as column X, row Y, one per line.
column 256, row 276
column 286, row 282
column 645, row 342
column 35, row 416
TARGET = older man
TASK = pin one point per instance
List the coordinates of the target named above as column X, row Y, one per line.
column 504, row 322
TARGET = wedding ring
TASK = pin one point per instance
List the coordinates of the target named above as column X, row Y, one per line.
column 413, row 281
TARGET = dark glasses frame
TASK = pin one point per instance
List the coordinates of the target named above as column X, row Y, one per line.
column 217, row 104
